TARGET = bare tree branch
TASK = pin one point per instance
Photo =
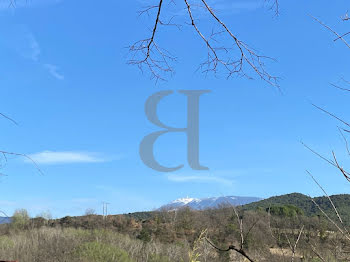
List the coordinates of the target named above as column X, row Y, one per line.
column 6, row 153
column 328, row 197
column 231, row 247
column 341, row 88
column 345, row 17
column 274, row 6
column 341, row 37
column 334, row 116
column 345, row 141
column 156, row 59
column 236, row 59
column 8, row 118
column 243, row 236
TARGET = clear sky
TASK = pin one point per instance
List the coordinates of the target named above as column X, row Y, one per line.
column 64, row 78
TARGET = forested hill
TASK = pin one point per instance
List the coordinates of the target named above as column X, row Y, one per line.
column 342, row 203
column 286, row 203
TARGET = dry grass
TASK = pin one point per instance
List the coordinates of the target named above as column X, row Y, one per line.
column 56, row 244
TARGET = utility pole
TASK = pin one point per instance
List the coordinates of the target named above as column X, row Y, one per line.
column 105, row 209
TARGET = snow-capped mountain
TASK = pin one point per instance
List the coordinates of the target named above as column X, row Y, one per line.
column 211, row 202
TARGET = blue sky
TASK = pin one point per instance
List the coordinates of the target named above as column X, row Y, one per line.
column 64, row 78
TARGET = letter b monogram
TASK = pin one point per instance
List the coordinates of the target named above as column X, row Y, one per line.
column 192, row 130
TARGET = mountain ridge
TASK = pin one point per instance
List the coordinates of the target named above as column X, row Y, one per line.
column 208, row 202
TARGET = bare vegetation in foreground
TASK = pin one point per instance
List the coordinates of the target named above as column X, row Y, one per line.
column 277, row 233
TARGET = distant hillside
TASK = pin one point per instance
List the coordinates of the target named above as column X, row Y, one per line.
column 342, row 203
column 5, row 220
column 210, row 202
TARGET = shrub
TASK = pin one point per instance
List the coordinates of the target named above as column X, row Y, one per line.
column 100, row 252
column 20, row 219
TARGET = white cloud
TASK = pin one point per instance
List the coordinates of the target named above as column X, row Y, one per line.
column 200, row 179
column 223, row 177
column 20, row 39
column 34, row 47
column 53, row 70
column 65, row 157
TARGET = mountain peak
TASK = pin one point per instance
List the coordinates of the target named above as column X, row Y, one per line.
column 185, row 200
column 210, row 202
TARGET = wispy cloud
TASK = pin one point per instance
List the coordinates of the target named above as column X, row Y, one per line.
column 200, row 179
column 223, row 177
column 66, row 157
column 34, row 47
column 23, row 42
column 20, row 39
column 53, row 70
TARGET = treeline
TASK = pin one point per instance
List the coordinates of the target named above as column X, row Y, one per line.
column 266, row 231
column 272, row 230
column 305, row 204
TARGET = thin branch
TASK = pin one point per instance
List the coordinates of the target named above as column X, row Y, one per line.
column 240, row 223
column 6, row 153
column 9, row 118
column 345, row 173
column 156, row 59
column 328, row 197
column 331, row 220
column 319, row 155
column 296, row 242
column 332, row 115
column 246, row 54
column 334, row 32
column 147, row 54
column 345, row 17
column 154, row 29
column 345, row 140
column 232, row 247
column 274, row 6
column 331, row 162
column 315, row 251
column 341, row 88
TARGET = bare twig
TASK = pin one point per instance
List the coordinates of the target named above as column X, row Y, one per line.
column 345, row 173
column 156, row 59
column 8, row 118
column 6, row 153
column 243, row 236
column 274, row 6
column 233, row 66
column 240, row 223
column 328, row 197
column 316, row 252
column 231, row 247
column 296, row 242
column 319, row 155
column 233, row 59
column 345, row 17
column 341, row 88
column 341, row 37
column 331, row 162
column 332, row 115
column 331, row 220
column 345, row 141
